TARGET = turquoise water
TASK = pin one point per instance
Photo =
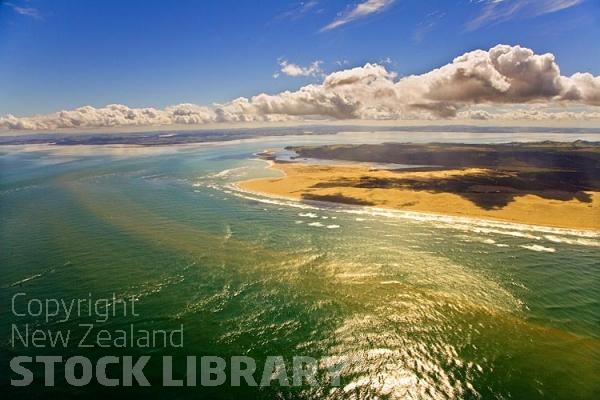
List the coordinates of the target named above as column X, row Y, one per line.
column 427, row 307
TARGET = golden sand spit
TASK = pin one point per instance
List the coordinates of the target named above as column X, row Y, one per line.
column 339, row 183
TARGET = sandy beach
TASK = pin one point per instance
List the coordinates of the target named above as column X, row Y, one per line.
column 331, row 183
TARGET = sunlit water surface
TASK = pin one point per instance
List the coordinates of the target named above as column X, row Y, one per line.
column 425, row 307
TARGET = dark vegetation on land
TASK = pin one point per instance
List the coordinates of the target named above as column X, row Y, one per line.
column 552, row 170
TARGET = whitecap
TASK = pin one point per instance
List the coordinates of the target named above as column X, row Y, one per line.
column 226, row 172
column 308, row 215
column 537, row 247
column 579, row 241
column 29, row 278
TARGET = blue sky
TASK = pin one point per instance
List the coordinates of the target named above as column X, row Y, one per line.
column 63, row 54
column 59, row 54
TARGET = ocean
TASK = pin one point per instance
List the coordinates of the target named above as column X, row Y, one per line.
column 423, row 306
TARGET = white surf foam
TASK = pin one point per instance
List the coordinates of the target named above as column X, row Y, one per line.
column 22, row 281
column 467, row 224
column 308, row 215
column 577, row 241
column 537, row 247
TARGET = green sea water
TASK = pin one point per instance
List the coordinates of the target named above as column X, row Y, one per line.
column 427, row 307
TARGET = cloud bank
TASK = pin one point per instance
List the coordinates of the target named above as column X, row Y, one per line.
column 505, row 76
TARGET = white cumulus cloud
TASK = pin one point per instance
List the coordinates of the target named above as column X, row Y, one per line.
column 514, row 77
column 291, row 69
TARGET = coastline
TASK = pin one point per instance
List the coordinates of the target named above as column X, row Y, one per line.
column 318, row 182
